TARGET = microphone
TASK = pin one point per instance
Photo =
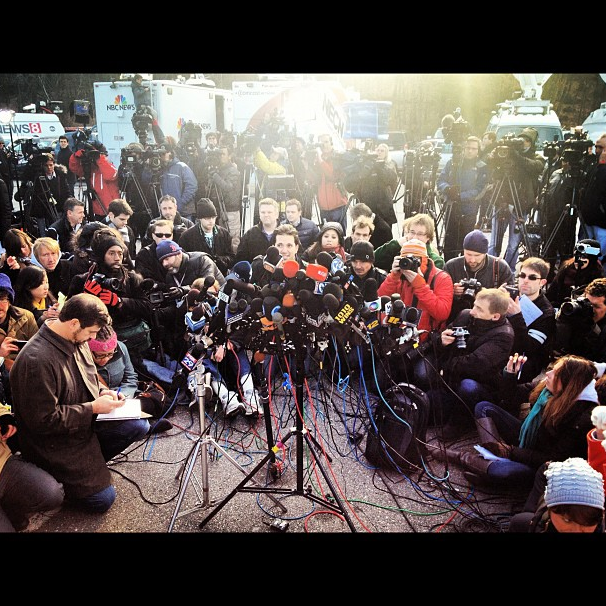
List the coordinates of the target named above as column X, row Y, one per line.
column 344, row 313
column 278, row 320
column 270, row 306
column 242, row 271
column 316, row 272
column 290, row 269
column 372, row 301
column 272, row 259
column 325, row 259
column 333, row 289
column 192, row 297
column 192, row 356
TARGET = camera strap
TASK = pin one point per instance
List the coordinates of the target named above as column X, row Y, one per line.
column 430, row 266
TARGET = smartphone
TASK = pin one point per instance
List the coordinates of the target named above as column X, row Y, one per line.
column 19, row 343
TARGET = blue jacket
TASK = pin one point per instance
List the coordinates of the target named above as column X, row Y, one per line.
column 177, row 180
column 472, row 180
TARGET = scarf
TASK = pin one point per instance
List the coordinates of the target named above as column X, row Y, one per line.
column 530, row 426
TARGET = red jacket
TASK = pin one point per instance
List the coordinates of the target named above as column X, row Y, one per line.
column 596, row 455
column 435, row 303
column 330, row 195
column 103, row 179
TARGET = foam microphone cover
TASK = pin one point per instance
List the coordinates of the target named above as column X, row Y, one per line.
column 269, row 304
column 290, row 268
column 384, row 301
column 242, row 305
column 316, row 272
column 325, row 259
column 272, row 258
column 232, row 306
column 192, row 297
column 256, row 306
column 197, row 313
column 333, row 289
column 369, row 290
column 397, row 308
column 288, row 300
column 266, row 291
column 331, row 302
column 243, row 270
column 278, row 275
column 300, row 275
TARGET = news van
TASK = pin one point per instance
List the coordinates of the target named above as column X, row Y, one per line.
column 176, row 103
column 44, row 129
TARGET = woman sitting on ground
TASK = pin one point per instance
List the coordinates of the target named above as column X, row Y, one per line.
column 32, row 293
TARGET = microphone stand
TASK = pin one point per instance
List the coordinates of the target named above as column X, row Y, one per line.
column 303, row 438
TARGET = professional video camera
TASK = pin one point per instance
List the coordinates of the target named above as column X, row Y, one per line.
column 142, row 121
column 575, row 310
column 503, row 148
column 161, row 295
column 472, row 287
column 270, row 133
column 575, row 147
column 454, row 129
column 129, row 158
column 153, row 155
column 213, row 159
column 460, row 333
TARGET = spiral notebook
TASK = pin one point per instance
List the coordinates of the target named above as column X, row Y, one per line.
column 130, row 410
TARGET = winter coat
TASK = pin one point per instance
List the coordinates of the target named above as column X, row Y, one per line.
column 377, row 187
column 222, row 254
column 103, row 179
column 53, row 409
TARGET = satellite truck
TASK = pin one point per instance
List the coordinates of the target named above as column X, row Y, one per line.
column 177, row 102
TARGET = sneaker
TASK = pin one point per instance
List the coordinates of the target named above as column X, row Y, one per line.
column 233, row 406
column 253, row 405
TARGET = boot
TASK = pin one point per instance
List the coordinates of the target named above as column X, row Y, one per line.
column 229, row 399
column 487, row 430
column 476, row 464
column 252, row 404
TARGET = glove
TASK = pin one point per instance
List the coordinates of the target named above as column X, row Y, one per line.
column 107, row 296
column 499, row 449
column 598, row 417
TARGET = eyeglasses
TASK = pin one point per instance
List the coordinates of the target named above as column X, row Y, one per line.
column 416, row 233
column 532, row 278
column 99, row 356
column 163, row 235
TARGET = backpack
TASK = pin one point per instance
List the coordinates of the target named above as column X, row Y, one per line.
column 401, row 426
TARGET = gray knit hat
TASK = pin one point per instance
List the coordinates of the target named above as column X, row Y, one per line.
column 476, row 241
column 574, row 482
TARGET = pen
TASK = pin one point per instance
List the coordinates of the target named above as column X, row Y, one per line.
column 522, row 364
column 120, row 389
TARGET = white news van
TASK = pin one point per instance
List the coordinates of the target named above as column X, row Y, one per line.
column 45, row 129
column 175, row 102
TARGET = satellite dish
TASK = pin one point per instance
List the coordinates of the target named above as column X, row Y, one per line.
column 532, row 84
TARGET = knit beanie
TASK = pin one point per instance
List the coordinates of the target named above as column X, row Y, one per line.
column 205, row 208
column 167, row 248
column 476, row 241
column 102, row 241
column 99, row 346
column 362, row 251
column 414, row 247
column 574, row 482
column 332, row 225
column 530, row 133
column 5, row 284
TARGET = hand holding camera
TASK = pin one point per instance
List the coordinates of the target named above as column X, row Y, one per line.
column 108, row 297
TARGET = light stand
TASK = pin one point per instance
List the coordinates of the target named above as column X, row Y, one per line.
column 302, row 436
column 6, row 117
column 203, row 391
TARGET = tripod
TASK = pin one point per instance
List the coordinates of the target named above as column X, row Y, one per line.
column 203, row 392
column 302, row 437
column 501, row 214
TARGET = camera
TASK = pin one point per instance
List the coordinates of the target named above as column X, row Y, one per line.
column 513, row 291
column 153, row 158
column 24, row 260
column 504, row 147
column 575, row 310
column 472, row 286
column 213, row 159
column 582, row 248
column 110, row 283
column 141, row 122
column 459, row 333
column 159, row 296
column 410, row 262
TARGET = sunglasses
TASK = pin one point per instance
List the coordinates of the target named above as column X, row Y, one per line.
column 163, row 235
column 532, row 278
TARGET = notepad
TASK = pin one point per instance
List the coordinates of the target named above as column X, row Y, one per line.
column 131, row 409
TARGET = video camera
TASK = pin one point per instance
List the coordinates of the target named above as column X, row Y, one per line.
column 575, row 310
column 504, row 147
column 142, row 121
column 454, row 129
column 153, row 155
column 160, row 296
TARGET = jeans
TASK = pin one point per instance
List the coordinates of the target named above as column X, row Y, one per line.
column 456, row 409
column 508, row 426
column 25, row 489
column 501, row 221
column 595, row 233
column 336, row 214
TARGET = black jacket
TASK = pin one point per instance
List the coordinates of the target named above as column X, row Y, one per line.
column 222, row 253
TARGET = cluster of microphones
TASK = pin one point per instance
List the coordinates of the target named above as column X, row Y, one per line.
column 301, row 305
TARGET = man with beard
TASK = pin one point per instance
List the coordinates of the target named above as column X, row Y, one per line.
column 57, row 402
column 474, row 270
column 120, row 289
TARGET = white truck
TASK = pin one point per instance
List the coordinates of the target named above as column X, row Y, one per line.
column 309, row 108
column 175, row 102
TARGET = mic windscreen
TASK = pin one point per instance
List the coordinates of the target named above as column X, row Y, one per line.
column 290, row 268
column 333, row 289
column 325, row 259
column 267, row 291
column 331, row 302
column 316, row 272
column 192, row 297
column 242, row 304
column 269, row 305
column 197, row 313
column 272, row 259
column 369, row 290
column 256, row 306
column 243, row 270
column 384, row 301
column 232, row 307
column 397, row 308
column 288, row 300
column 278, row 275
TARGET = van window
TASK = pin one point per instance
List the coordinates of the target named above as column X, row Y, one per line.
column 546, row 133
